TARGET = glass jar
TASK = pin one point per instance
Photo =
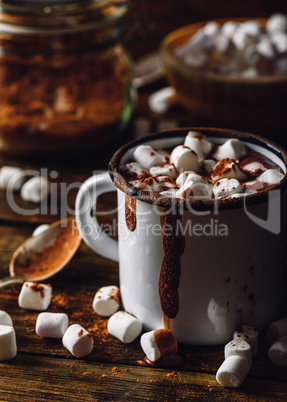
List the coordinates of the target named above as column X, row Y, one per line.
column 65, row 77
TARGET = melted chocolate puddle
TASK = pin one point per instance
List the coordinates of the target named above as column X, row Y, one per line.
column 173, row 243
column 130, row 211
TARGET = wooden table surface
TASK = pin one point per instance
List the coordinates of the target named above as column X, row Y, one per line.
column 44, row 370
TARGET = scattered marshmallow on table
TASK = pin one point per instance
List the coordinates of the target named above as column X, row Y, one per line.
column 278, row 352
column 11, row 177
column 277, row 329
column 248, row 334
column 8, row 346
column 226, row 188
column 51, row 325
column 78, row 341
column 124, row 326
column 184, row 159
column 35, row 296
column 238, row 347
column 197, row 143
column 232, row 372
column 36, row 189
column 148, row 157
column 195, row 190
column 161, row 100
column 270, row 176
column 5, row 319
column 40, row 229
column 158, row 343
column 232, row 148
column 107, row 301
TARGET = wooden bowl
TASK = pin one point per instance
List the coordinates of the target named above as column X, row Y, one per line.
column 256, row 105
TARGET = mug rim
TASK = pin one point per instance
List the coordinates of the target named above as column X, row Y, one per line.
column 199, row 205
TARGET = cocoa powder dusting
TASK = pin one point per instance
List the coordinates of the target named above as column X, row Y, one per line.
column 173, row 243
column 80, row 333
column 36, row 287
column 165, row 341
column 52, row 257
column 130, row 211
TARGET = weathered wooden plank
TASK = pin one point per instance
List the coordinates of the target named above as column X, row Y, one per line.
column 73, row 292
column 38, row 378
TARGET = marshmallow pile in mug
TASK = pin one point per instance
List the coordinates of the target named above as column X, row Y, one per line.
column 200, row 169
column 248, row 49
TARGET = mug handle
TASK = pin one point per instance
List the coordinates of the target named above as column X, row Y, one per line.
column 88, row 225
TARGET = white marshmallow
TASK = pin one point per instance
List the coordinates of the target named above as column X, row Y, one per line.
column 196, row 59
column 148, row 184
column 226, row 187
column 250, row 72
column 225, row 46
column 11, row 177
column 51, row 325
column 158, row 343
column 278, row 352
column 241, row 40
column 232, row 148
column 161, row 100
column 277, row 22
column 251, row 57
column 277, row 329
column 195, row 190
column 181, row 179
column 135, row 170
column 169, row 193
column 184, row 159
column 124, row 326
column 5, row 319
column 40, row 229
column 248, row 334
column 107, row 301
column 208, row 165
column 167, row 169
column 198, row 143
column 8, row 346
column 254, row 168
column 148, row 157
column 198, row 42
column 78, row 341
column 196, row 178
column 232, row 372
column 228, row 28
column 35, row 296
column 227, row 169
column 251, row 28
column 270, row 176
column 36, row 189
column 166, row 182
column 238, row 347
column 265, row 48
column 279, row 39
column 212, row 28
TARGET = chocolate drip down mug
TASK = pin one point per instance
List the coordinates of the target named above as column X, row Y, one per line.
column 202, row 267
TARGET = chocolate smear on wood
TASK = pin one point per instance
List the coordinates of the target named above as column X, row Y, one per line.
column 173, row 243
column 130, row 211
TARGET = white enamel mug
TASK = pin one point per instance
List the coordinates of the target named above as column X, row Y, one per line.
column 233, row 264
